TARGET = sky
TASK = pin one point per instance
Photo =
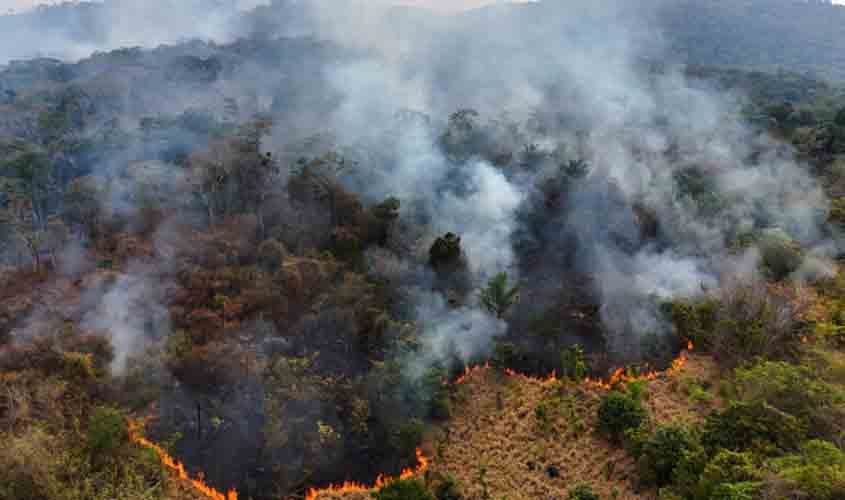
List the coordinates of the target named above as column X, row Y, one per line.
column 440, row 5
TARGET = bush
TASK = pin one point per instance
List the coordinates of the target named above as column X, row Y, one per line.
column 755, row 426
column 796, row 391
column 741, row 323
column 446, row 251
column 735, row 491
column 583, row 492
column 447, row 489
column 695, row 320
column 817, row 471
column 441, row 405
column 724, row 472
column 407, row 436
column 618, row 413
column 662, row 453
column 410, row 489
column 780, row 256
column 107, row 433
column 574, row 366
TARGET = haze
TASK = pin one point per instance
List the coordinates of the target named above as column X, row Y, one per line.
column 439, row 5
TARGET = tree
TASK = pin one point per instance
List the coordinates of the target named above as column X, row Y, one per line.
column 82, row 205
column 33, row 172
column 618, row 413
column 209, row 174
column 21, row 219
column 318, row 179
column 445, row 252
column 56, row 236
column 497, row 298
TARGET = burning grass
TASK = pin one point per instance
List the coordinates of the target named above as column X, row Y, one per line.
column 382, row 481
column 175, row 466
column 497, row 428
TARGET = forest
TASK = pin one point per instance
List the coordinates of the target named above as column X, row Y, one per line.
column 315, row 251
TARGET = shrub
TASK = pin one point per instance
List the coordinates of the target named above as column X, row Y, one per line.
column 817, row 471
column 446, row 251
column 743, row 322
column 507, row 355
column 694, row 320
column 794, row 390
column 724, row 472
column 441, row 405
column 735, row 491
column 752, row 425
column 780, row 256
column 574, row 366
column 409, row 489
column 583, row 492
column 447, row 489
column 618, row 413
column 407, row 436
column 663, row 451
column 107, row 433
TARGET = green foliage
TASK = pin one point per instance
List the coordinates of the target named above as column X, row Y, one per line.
column 496, row 297
column 735, row 491
column 574, row 365
column 795, row 391
column 441, row 405
column 619, row 412
column 107, row 432
column 447, row 489
column 694, row 320
column 507, row 354
column 662, row 453
column 406, row 436
column 542, row 413
column 445, row 251
column 780, row 256
column 817, row 470
column 409, row 489
column 727, row 469
column 741, row 323
column 756, row 425
column 583, row 492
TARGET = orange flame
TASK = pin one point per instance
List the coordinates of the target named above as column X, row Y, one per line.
column 174, row 465
column 469, row 371
column 381, row 481
column 617, row 377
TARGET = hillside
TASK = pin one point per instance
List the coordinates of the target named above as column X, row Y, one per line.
column 416, row 256
column 799, row 36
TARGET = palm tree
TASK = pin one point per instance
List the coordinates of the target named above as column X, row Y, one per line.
column 496, row 297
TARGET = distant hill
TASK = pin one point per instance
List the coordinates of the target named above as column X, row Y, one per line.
column 805, row 36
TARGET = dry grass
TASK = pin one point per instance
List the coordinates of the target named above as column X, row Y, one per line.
column 497, row 448
column 495, row 434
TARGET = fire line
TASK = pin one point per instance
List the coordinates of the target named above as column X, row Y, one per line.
column 618, row 376
column 177, row 467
